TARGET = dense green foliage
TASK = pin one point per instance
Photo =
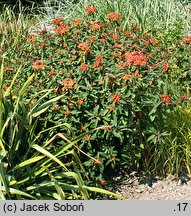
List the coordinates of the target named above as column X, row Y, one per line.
column 118, row 78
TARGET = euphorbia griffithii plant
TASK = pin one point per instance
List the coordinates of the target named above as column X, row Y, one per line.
column 110, row 76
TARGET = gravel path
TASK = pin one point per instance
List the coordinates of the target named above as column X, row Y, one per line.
column 134, row 187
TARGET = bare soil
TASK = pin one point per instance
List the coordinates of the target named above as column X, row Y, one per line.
column 141, row 187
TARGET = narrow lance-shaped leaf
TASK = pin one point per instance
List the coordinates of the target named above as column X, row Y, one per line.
column 28, row 162
column 42, row 108
column 48, row 154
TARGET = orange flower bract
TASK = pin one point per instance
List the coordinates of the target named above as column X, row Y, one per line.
column 80, row 102
column 165, row 67
column 102, row 181
column 97, row 161
column 68, row 83
column 102, row 40
column 57, row 21
column 8, row 68
column 183, row 97
column 61, row 29
column 114, row 16
column 186, row 39
column 83, row 47
column 90, row 9
column 136, row 58
column 32, row 37
column 83, row 67
column 88, row 137
column 127, row 77
column 115, row 55
column 165, row 98
column 77, row 22
column 116, row 98
column 67, row 112
column 38, row 65
column 95, row 26
column 51, row 73
column 4, row 88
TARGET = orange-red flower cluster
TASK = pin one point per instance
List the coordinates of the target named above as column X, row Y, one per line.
column 107, row 127
column 115, row 54
column 84, row 47
column 98, row 61
column 186, row 39
column 61, row 29
column 4, row 88
column 111, row 108
column 92, row 39
column 42, row 44
column 165, row 67
column 102, row 181
column 114, row 16
column 90, row 9
column 136, row 58
column 67, row 112
column 102, row 40
column 127, row 77
column 136, row 74
column 183, row 97
column 57, row 21
column 88, row 137
column 77, row 22
column 68, row 83
column 32, row 37
column 83, row 67
column 115, row 37
column 51, row 73
column 96, row 26
column 165, row 98
column 38, row 65
column 8, row 68
column 80, row 101
column 121, row 65
column 116, row 98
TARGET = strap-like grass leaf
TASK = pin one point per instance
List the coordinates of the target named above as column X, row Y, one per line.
column 3, row 177
column 99, row 190
column 28, row 162
column 80, row 183
column 18, row 192
column 48, row 154
column 57, row 186
column 42, row 108
column 26, row 84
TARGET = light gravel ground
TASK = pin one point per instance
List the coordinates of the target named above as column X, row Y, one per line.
column 135, row 187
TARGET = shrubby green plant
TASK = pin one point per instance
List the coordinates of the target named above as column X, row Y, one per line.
column 121, row 80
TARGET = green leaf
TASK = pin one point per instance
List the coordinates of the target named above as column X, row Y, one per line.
column 26, row 84
column 49, row 155
column 42, row 108
column 12, row 83
column 18, row 192
column 99, row 190
column 3, row 177
column 28, row 162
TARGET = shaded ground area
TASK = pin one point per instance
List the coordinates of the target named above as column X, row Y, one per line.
column 141, row 187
